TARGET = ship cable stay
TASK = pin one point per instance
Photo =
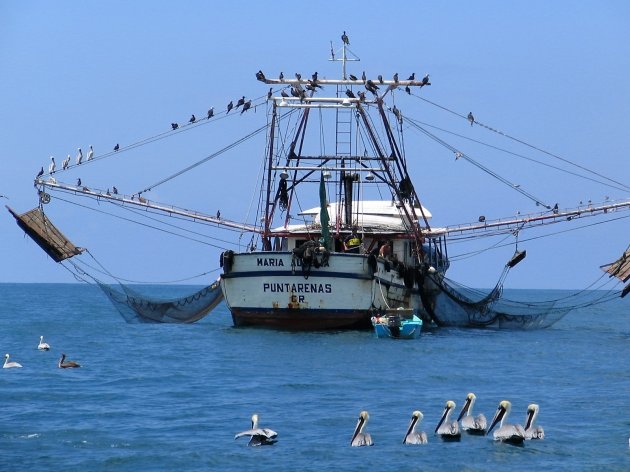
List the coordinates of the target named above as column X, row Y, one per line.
column 520, row 141
column 459, row 154
column 175, row 130
column 521, row 156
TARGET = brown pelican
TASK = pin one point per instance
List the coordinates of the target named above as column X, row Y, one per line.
column 509, row 433
column 531, row 431
column 412, row 436
column 472, row 424
column 447, row 429
column 79, row 156
column 258, row 436
column 10, row 365
column 42, row 346
column 63, row 364
column 90, row 155
column 359, row 438
column 52, row 165
column 65, row 163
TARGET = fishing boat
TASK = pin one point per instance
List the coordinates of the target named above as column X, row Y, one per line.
column 340, row 233
column 397, row 324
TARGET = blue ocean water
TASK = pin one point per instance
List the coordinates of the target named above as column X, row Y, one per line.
column 171, row 397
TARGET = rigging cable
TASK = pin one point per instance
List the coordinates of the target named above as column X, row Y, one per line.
column 524, row 143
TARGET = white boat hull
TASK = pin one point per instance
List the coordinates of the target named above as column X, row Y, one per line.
column 272, row 289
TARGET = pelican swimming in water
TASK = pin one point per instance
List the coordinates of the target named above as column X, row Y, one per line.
column 359, row 438
column 447, row 429
column 531, row 431
column 509, row 433
column 10, row 365
column 64, row 364
column 42, row 346
column 472, row 424
column 412, row 436
column 258, row 436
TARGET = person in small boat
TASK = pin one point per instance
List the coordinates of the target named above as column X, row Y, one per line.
column 353, row 242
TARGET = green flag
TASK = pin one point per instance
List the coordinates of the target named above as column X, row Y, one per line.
column 324, row 218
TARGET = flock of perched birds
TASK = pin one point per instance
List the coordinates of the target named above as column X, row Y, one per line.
column 447, row 429
column 42, row 346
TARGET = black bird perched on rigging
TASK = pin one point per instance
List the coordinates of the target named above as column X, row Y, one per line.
column 174, row 125
column 345, row 39
column 353, row 77
column 240, row 102
column 371, row 86
column 229, row 107
column 314, row 77
column 407, row 89
column 380, row 78
column 246, row 106
column 192, row 119
column 210, row 112
column 270, row 93
column 114, row 190
column 363, row 77
column 40, row 173
column 412, row 76
column 361, row 96
column 313, row 84
column 425, row 81
column 350, row 94
column 298, row 76
column 117, row 147
column 471, row 118
column 396, row 113
column 260, row 76
column 396, row 77
column 79, row 182
column 284, row 94
column 218, row 214
column 281, row 76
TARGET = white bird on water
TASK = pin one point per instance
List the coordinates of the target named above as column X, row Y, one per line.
column 531, row 431
column 258, row 436
column 412, row 436
column 79, row 156
column 509, row 433
column 90, row 155
column 472, row 424
column 359, row 438
column 42, row 346
column 52, row 166
column 447, row 429
column 10, row 365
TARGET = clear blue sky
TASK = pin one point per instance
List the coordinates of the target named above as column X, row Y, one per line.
column 554, row 74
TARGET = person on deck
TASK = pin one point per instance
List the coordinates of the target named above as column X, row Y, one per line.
column 353, row 242
column 386, row 250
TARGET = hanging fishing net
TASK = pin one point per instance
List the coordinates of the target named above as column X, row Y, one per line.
column 136, row 307
column 458, row 306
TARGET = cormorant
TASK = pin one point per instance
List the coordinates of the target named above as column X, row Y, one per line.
column 345, row 39
column 229, row 107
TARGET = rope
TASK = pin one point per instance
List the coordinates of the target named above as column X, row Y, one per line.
column 520, row 141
